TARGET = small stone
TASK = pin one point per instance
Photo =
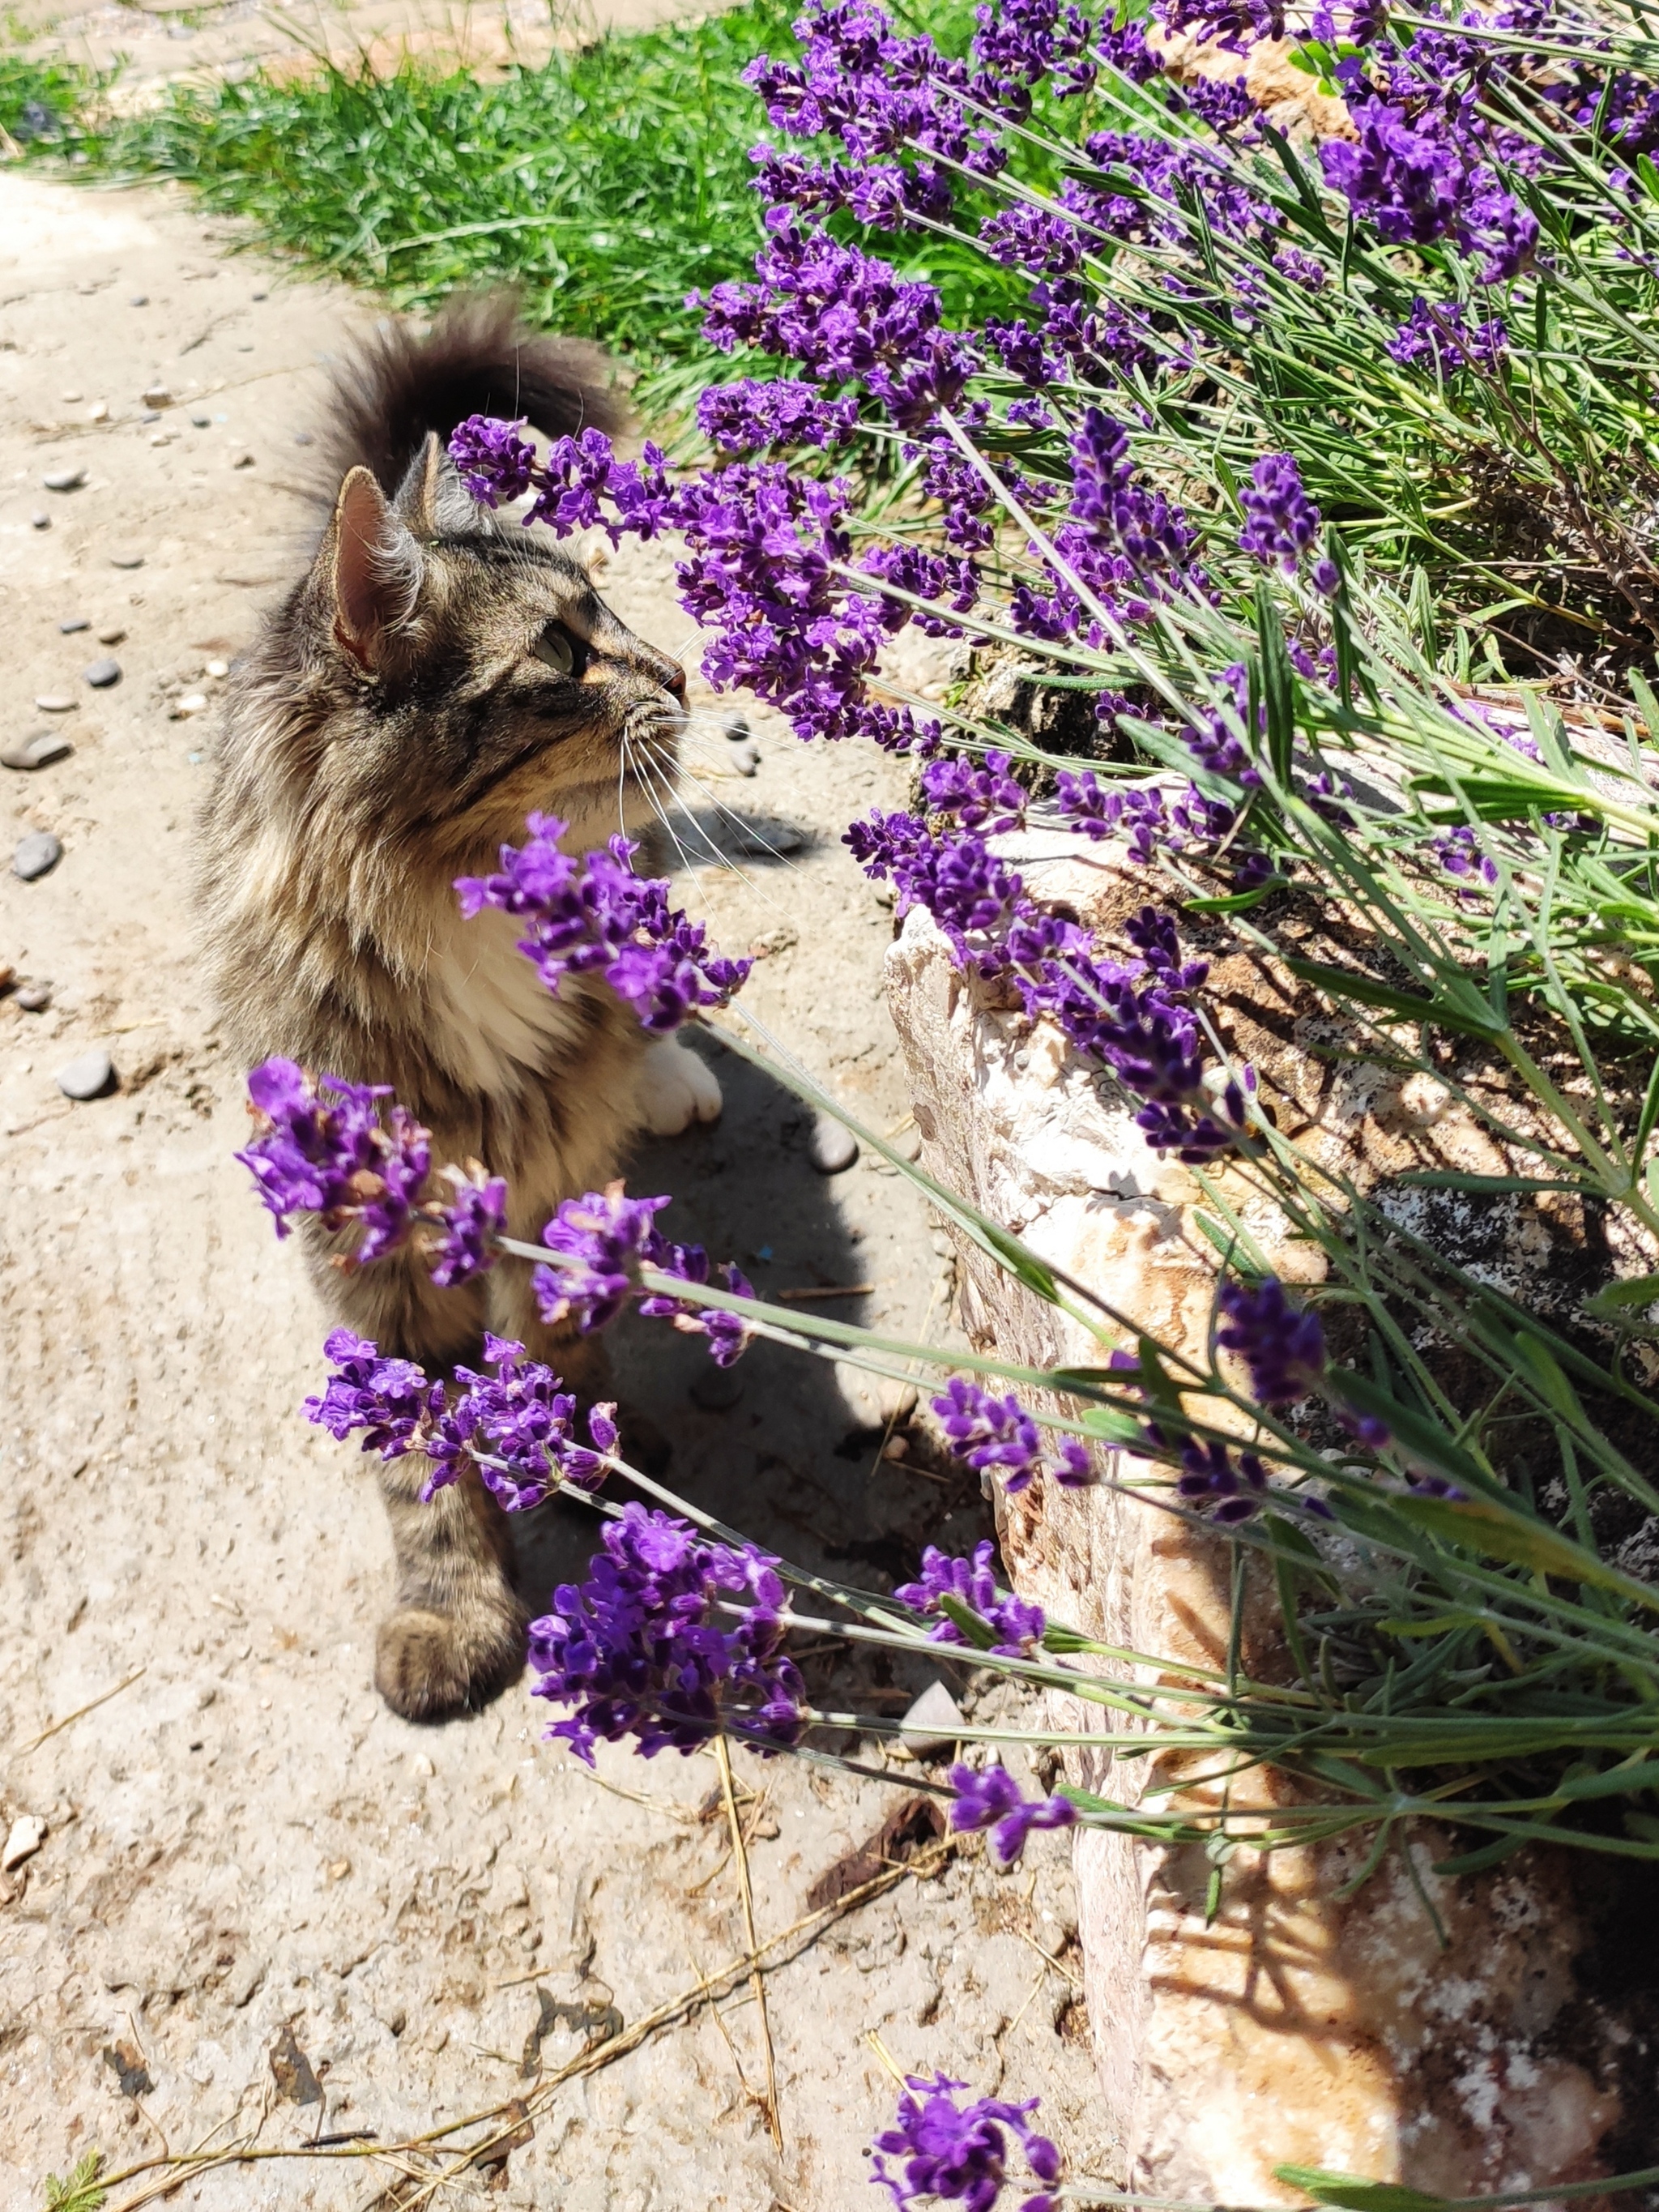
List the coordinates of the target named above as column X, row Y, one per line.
column 262, row 296
column 933, row 1724
column 64, row 479
column 37, row 751
column 40, row 521
column 34, row 997
column 139, row 299
column 218, row 670
column 101, row 674
column 54, row 702
column 885, row 894
column 745, row 758
column 831, row 1148
column 99, row 411
column 151, row 414
column 75, row 622
column 111, row 636
column 24, row 1837
column 88, row 1076
column 242, row 460
column 717, row 1389
column 201, row 421
column 737, row 730
column 37, row 854
column 770, row 837
column 157, row 395
column 71, row 399
column 193, row 702
column 126, row 556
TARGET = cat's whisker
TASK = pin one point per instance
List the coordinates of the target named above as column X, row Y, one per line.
column 643, row 773
column 737, row 821
column 751, row 882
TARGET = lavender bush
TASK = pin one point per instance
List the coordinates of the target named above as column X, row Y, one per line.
column 1319, row 467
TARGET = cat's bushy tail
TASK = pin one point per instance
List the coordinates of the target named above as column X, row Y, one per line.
column 477, row 358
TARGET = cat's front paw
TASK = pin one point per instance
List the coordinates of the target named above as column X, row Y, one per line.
column 676, row 1088
column 431, row 1665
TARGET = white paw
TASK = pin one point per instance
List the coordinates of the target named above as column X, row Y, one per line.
column 676, row 1090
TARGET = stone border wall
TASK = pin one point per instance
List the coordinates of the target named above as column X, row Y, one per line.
column 1300, row 2026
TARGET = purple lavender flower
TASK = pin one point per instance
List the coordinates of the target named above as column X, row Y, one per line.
column 1460, row 853
column 1416, row 178
column 1282, row 1345
column 971, row 1583
column 514, row 1426
column 642, row 1648
column 728, row 1333
column 493, row 461
column 471, row 1223
column 1443, row 336
column 987, row 1431
column 959, row 2154
column 1234, row 25
column 590, row 911
column 993, row 1800
column 1282, row 523
column 746, row 417
column 603, row 1237
column 980, row 797
column 324, row 1149
column 1301, row 268
column 1226, row 1492
column 391, row 1400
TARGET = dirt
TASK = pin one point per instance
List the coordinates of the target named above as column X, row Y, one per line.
column 264, row 1907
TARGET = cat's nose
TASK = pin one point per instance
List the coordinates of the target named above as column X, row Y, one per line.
column 674, row 679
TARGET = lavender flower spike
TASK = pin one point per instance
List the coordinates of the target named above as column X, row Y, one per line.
column 601, row 1239
column 1283, row 1345
column 323, row 1148
column 959, row 2154
column 492, row 460
column 1019, row 1626
column 993, row 1800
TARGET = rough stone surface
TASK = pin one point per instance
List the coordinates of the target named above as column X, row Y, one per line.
column 1299, row 2027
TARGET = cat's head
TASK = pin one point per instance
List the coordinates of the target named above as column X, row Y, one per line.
column 471, row 674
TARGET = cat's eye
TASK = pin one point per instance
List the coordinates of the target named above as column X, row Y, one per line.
column 556, row 649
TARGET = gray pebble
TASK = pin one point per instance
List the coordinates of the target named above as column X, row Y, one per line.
column 150, row 415
column 717, row 1389
column 201, row 421
column 770, row 837
column 831, row 1147
column 41, row 521
column 37, row 751
column 34, row 997
column 745, row 758
column 64, row 479
column 35, row 854
column 126, row 556
column 52, row 703
column 139, row 299
column 101, row 674
column 737, row 730
column 88, row 1076
column 158, row 395
column 76, row 622
column 933, row 1723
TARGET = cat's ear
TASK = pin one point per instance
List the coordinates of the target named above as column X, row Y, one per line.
column 432, row 499
column 378, row 567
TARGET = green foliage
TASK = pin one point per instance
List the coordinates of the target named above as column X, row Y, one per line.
column 38, row 100
column 82, row 2192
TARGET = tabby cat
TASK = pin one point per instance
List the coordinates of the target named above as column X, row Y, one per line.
column 434, row 676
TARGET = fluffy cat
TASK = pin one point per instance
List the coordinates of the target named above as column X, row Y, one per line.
column 433, row 677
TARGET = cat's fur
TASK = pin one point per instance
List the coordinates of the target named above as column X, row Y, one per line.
column 389, row 729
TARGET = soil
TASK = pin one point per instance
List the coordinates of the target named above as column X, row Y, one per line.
column 263, row 1908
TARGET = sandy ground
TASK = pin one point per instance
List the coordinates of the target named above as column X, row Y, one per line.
column 149, row 43
column 240, row 1843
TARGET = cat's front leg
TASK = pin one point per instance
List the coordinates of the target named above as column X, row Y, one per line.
column 677, row 1088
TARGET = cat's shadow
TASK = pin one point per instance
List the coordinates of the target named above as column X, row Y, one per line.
column 790, row 1462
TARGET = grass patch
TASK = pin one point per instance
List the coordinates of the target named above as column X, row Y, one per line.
column 39, row 99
